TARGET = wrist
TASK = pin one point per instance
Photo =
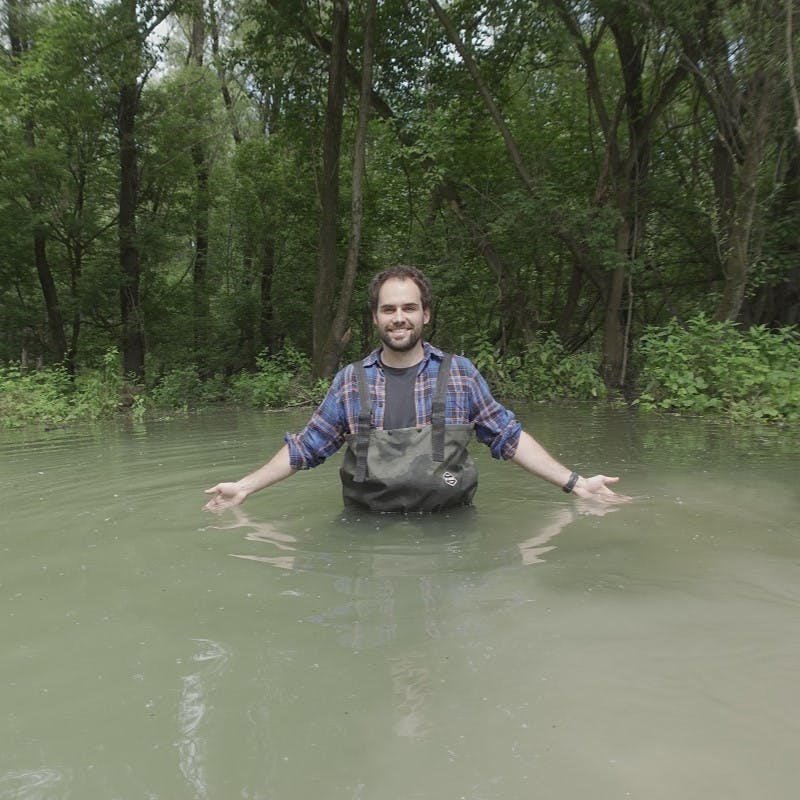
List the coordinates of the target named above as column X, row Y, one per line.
column 242, row 487
column 571, row 483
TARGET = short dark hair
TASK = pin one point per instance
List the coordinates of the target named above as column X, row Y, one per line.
column 402, row 272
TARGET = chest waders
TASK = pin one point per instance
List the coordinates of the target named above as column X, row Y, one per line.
column 425, row 468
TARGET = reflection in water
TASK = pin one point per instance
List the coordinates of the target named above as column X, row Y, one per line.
column 411, row 685
column 652, row 654
column 264, row 532
column 192, row 708
column 531, row 550
column 43, row 783
column 400, row 575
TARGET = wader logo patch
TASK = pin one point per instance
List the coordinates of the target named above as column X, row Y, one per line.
column 449, row 478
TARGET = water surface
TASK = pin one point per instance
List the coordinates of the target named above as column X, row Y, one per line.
column 529, row 647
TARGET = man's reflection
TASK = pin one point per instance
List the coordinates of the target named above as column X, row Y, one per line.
column 531, row 550
column 465, row 523
column 405, row 583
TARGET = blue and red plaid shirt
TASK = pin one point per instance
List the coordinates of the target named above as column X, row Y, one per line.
column 468, row 401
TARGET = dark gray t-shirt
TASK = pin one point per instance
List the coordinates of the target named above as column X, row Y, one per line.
column 401, row 410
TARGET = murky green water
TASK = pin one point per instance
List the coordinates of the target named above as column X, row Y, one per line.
column 525, row 648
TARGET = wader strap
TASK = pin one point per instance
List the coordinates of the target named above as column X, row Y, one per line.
column 437, row 409
column 364, row 419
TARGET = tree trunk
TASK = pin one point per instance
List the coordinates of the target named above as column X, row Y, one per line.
column 132, row 338
column 56, row 339
column 627, row 134
column 745, row 94
column 736, row 186
column 329, row 191
column 227, row 98
column 340, row 333
column 381, row 108
column 266, row 316
column 201, row 316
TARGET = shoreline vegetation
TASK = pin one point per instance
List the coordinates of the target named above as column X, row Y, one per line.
column 700, row 367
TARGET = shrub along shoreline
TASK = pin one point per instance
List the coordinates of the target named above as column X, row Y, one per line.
column 700, row 367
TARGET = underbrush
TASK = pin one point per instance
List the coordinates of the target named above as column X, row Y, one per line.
column 545, row 371
column 703, row 367
column 719, row 368
column 53, row 396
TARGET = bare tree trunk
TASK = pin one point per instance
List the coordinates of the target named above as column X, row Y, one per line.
column 201, row 321
column 570, row 307
column 132, row 338
column 340, row 333
column 130, row 301
column 55, row 324
column 790, row 12
column 329, row 193
column 227, row 98
column 266, row 319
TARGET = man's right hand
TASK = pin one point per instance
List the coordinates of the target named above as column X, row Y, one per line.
column 225, row 495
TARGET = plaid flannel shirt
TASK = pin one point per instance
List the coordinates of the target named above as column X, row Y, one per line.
column 468, row 400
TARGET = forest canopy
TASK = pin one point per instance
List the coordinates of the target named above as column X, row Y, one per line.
column 203, row 188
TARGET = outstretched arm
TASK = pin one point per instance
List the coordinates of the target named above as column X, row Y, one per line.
column 225, row 495
column 535, row 459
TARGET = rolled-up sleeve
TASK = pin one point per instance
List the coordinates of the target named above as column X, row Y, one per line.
column 324, row 434
column 495, row 425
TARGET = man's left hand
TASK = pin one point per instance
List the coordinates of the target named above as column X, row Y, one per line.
column 598, row 488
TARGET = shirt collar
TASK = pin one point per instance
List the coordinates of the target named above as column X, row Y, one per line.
column 428, row 349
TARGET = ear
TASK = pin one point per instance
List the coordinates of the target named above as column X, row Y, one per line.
column 426, row 316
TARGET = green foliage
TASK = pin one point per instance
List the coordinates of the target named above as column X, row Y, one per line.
column 99, row 392
column 229, row 152
column 545, row 371
column 52, row 396
column 717, row 367
column 551, row 372
column 182, row 388
column 38, row 396
column 280, row 380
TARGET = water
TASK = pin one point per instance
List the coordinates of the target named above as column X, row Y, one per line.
column 529, row 647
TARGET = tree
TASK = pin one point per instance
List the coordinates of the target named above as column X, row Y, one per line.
column 738, row 62
column 339, row 332
column 324, row 294
column 20, row 17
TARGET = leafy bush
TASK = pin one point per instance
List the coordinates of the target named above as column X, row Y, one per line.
column 52, row 396
column 546, row 371
column 717, row 367
column 98, row 393
column 181, row 388
column 550, row 372
column 281, row 379
column 32, row 396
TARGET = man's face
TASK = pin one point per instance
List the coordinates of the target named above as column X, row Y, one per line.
column 400, row 316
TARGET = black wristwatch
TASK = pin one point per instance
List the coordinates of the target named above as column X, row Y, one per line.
column 570, row 484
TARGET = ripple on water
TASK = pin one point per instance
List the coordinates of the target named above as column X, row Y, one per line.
column 39, row 782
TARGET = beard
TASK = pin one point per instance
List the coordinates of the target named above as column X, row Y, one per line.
column 402, row 345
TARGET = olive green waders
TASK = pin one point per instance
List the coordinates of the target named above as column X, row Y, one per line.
column 424, row 468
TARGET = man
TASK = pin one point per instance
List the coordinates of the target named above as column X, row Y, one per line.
column 407, row 412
